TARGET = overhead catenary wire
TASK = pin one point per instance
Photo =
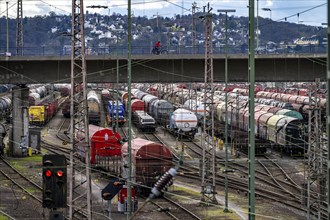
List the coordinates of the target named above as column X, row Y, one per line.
column 294, row 15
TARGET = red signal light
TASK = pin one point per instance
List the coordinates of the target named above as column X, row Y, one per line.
column 48, row 173
column 59, row 173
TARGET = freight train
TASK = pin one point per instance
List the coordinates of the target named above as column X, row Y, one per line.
column 109, row 152
column 94, row 107
column 275, row 129
column 41, row 113
column 182, row 123
column 298, row 102
column 275, row 126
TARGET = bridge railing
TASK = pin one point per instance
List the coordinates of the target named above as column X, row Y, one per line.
column 172, row 49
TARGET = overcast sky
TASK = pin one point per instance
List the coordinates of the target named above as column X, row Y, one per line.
column 279, row 8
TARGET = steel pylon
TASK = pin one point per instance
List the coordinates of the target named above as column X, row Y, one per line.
column 209, row 150
column 80, row 191
column 19, row 28
column 317, row 164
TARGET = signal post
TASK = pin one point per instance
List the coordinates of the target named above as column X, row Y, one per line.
column 54, row 185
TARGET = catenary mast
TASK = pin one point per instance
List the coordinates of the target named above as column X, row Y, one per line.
column 80, row 191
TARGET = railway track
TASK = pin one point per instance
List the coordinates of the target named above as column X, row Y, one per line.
column 27, row 185
column 62, row 132
column 279, row 176
column 173, row 209
column 7, row 215
column 21, row 180
column 272, row 191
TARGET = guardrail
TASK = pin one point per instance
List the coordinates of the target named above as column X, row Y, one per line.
column 143, row 50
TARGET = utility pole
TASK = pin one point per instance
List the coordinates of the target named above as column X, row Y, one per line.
column 209, row 149
column 328, row 105
column 226, row 109
column 19, row 28
column 7, row 31
column 80, row 199
column 129, row 78
column 251, row 71
column 193, row 12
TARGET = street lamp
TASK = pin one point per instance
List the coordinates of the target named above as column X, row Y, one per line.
column 257, row 24
column 7, row 31
column 270, row 12
column 226, row 107
column 117, row 73
column 157, row 17
column 270, row 17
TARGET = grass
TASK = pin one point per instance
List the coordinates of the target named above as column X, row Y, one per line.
column 32, row 190
column 33, row 158
column 24, row 163
column 17, row 165
column 188, row 191
column 2, row 217
column 213, row 213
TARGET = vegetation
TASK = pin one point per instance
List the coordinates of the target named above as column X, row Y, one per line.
column 51, row 33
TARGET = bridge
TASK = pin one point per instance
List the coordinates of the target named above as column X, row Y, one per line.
column 164, row 68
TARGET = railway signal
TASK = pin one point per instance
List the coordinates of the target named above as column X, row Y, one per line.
column 54, row 181
column 112, row 189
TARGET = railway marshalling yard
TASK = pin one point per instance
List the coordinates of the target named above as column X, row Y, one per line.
column 279, row 181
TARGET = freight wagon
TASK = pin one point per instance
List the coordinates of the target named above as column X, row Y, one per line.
column 150, row 161
column 143, row 121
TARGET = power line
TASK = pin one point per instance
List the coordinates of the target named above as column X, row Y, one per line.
column 296, row 14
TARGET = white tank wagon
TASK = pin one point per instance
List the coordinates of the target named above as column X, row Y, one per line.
column 198, row 108
column 183, row 123
column 94, row 107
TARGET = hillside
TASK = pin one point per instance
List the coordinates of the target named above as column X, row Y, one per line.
column 47, row 33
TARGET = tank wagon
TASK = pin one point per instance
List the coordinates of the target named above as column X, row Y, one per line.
column 5, row 88
column 63, row 88
column 38, row 94
column 183, row 123
column 150, row 160
column 160, row 110
column 94, row 107
column 5, row 106
column 198, row 107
